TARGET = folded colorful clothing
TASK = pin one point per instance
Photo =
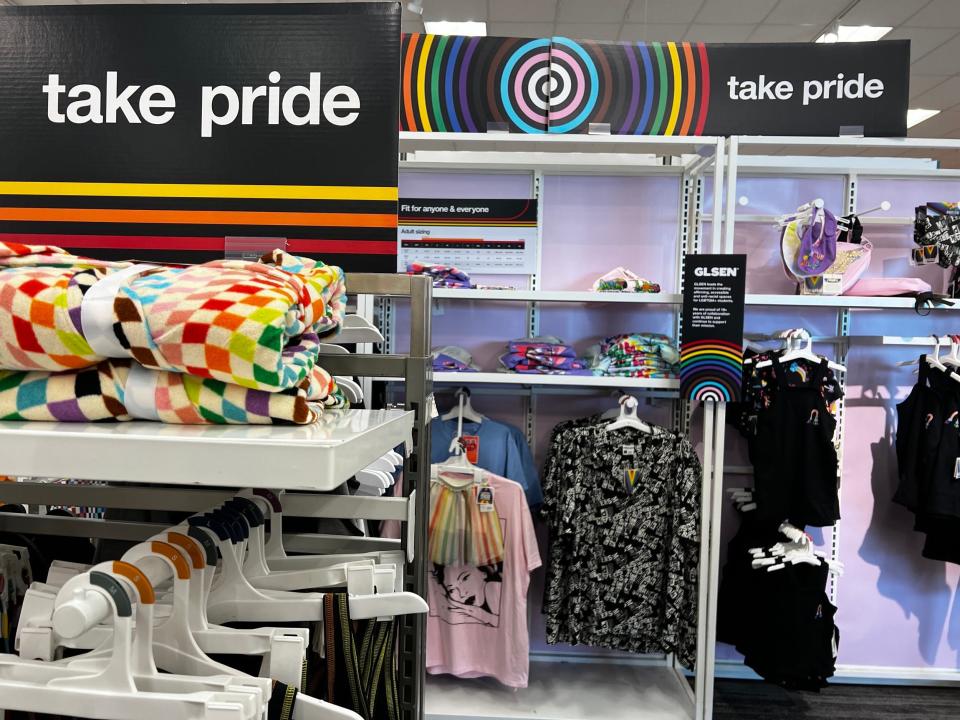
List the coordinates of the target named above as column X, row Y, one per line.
column 512, row 361
column 444, row 276
column 635, row 355
column 118, row 390
column 453, row 358
column 536, row 369
column 255, row 325
column 543, row 345
column 620, row 279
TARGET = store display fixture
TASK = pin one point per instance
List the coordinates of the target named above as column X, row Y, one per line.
column 147, row 458
column 741, row 176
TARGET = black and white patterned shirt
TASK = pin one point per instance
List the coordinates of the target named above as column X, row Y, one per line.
column 623, row 509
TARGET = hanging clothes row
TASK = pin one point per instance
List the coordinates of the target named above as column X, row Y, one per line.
column 622, row 502
column 928, row 452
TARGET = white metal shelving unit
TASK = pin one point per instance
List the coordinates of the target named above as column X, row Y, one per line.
column 853, row 159
column 560, row 690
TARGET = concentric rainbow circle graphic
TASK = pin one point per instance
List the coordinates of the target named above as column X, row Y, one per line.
column 711, row 369
column 568, row 59
column 529, row 86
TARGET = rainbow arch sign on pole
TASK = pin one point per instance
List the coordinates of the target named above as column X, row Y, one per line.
column 711, row 353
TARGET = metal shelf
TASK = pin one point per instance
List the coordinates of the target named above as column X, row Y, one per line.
column 521, row 142
column 565, row 691
column 321, row 456
column 559, row 296
column 504, row 378
column 839, row 301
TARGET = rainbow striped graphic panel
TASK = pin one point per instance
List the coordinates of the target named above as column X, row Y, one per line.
column 635, row 88
column 463, row 84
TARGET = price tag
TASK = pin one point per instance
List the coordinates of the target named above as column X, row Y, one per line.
column 485, row 499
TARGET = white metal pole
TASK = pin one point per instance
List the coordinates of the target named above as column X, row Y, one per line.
column 703, row 595
column 731, row 210
column 713, row 583
column 718, row 168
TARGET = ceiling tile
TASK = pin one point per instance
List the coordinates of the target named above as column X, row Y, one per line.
column 784, row 33
column 521, row 29
column 594, row 11
column 922, row 40
column 939, row 13
column 882, row 12
column 525, row 11
column 938, row 126
column 455, row 10
column 942, row 61
column 806, row 12
column 632, row 32
column 919, row 84
column 739, row 11
column 719, row 33
column 589, row 31
column 664, row 11
column 942, row 97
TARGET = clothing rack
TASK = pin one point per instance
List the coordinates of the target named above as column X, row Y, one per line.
column 206, row 461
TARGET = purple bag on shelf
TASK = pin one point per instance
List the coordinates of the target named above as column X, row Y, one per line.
column 818, row 244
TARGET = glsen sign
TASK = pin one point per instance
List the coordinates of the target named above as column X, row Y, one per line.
column 711, row 354
column 157, row 131
column 560, row 85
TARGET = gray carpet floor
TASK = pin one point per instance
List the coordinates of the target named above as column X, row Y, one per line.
column 747, row 700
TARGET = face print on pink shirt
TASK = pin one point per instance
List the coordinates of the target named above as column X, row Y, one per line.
column 471, row 595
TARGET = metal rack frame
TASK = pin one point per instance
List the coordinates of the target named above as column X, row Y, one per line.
column 414, row 368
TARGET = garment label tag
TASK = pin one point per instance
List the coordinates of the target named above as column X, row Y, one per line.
column 956, row 469
column 631, row 478
column 485, row 499
column 471, row 446
column 629, row 450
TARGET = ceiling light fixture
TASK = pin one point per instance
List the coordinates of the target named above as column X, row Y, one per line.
column 853, row 33
column 452, row 27
column 915, row 116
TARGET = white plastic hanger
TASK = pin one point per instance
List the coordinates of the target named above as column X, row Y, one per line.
column 463, row 410
column 82, row 603
column 350, row 388
column 805, row 352
column 628, row 417
column 357, row 329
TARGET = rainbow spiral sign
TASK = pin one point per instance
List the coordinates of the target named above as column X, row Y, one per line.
column 711, row 350
column 558, row 85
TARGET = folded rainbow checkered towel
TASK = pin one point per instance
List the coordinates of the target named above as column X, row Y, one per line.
column 255, row 325
column 122, row 390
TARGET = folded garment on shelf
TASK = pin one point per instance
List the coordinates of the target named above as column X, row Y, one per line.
column 444, row 276
column 256, row 325
column 124, row 390
column 453, row 358
column 544, row 355
column 520, row 361
column 635, row 355
column 620, row 279
column 541, row 346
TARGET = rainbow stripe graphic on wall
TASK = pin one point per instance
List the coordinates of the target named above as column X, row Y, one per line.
column 711, row 370
column 558, row 85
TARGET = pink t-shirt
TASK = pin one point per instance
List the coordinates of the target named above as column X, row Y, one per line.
column 477, row 625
